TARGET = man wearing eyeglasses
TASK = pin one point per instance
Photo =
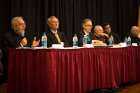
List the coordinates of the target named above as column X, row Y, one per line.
column 18, row 37
column 86, row 31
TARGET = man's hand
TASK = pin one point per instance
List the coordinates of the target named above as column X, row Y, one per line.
column 23, row 42
column 139, row 35
column 99, row 43
column 35, row 42
column 104, row 34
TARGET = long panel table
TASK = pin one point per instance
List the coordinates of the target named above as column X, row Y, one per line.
column 71, row 70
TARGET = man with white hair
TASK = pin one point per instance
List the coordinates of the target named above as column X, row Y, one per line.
column 54, row 36
column 17, row 37
column 99, row 34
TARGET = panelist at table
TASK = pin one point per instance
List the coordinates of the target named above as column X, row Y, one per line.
column 108, row 30
column 135, row 34
column 54, row 36
column 100, row 37
column 86, row 31
column 17, row 37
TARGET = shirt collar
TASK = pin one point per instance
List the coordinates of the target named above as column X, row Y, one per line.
column 53, row 31
column 86, row 33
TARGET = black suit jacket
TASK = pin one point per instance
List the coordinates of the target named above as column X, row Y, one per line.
column 53, row 40
column 115, row 37
column 135, row 40
column 80, row 38
column 12, row 40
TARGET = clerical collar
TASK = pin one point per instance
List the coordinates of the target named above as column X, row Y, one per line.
column 53, row 31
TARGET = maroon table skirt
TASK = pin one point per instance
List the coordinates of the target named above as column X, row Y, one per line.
column 71, row 70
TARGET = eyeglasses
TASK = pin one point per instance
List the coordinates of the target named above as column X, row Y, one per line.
column 19, row 24
column 89, row 25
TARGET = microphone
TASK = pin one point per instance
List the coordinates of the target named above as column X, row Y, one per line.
column 22, row 34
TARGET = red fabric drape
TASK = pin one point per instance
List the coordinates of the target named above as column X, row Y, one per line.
column 71, row 70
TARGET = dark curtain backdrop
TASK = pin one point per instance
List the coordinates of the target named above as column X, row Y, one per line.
column 121, row 14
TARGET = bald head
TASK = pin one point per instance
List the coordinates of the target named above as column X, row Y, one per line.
column 135, row 30
column 98, row 29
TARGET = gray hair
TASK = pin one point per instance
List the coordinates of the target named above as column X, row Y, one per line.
column 15, row 20
column 50, row 18
column 98, row 26
column 86, row 20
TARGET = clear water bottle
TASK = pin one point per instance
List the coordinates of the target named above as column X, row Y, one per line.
column 44, row 40
column 129, row 41
column 89, row 41
column 110, row 41
column 85, row 39
column 75, row 41
column 125, row 40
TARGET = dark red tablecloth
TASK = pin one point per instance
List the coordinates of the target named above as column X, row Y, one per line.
column 71, row 70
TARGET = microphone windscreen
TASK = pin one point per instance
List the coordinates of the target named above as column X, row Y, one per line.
column 22, row 34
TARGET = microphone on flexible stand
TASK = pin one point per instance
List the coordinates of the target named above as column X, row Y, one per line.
column 22, row 34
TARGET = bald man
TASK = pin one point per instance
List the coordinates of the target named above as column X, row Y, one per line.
column 99, row 34
column 135, row 34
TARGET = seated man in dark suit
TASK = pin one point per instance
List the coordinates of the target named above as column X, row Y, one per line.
column 108, row 30
column 99, row 35
column 86, row 30
column 135, row 34
column 54, row 36
column 16, row 38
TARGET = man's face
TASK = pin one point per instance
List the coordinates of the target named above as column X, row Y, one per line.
column 19, row 26
column 87, row 26
column 99, row 30
column 54, row 24
column 135, row 30
column 107, row 29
